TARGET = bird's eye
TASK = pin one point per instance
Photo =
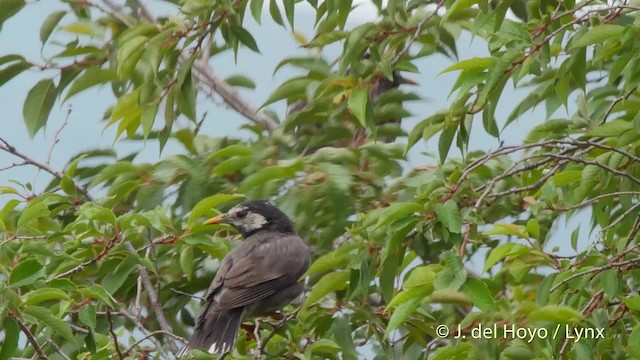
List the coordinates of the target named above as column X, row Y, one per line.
column 241, row 214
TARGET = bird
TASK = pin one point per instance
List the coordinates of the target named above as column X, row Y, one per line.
column 261, row 275
column 380, row 87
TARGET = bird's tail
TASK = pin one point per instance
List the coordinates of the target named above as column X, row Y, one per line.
column 216, row 332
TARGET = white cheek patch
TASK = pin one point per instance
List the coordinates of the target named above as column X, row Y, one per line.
column 253, row 221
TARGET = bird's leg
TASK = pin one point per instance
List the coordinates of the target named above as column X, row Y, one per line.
column 256, row 335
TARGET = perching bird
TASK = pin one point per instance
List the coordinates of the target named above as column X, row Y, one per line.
column 380, row 87
column 261, row 275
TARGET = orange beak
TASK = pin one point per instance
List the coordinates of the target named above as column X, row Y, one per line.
column 215, row 220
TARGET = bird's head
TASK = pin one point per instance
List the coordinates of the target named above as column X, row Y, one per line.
column 253, row 216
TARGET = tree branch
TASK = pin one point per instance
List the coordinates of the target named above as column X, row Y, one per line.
column 150, row 335
column 25, row 330
column 113, row 334
column 153, row 297
column 231, row 96
column 6, row 147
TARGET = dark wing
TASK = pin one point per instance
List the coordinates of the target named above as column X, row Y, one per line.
column 275, row 262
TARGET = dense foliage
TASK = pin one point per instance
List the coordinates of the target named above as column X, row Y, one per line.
column 101, row 263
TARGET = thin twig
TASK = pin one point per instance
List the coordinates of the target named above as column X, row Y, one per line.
column 187, row 294
column 153, row 298
column 6, row 147
column 113, row 334
column 146, row 332
column 417, row 33
column 57, row 349
column 30, row 338
column 150, row 335
column 56, row 137
column 277, row 327
column 628, row 263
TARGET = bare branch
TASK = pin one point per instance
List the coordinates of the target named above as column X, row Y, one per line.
column 113, row 334
column 597, row 198
column 186, row 294
column 146, row 332
column 58, row 349
column 6, row 147
column 633, row 263
column 30, row 338
column 232, row 98
column 153, row 298
column 56, row 137
column 151, row 335
column 14, row 165
column 417, row 32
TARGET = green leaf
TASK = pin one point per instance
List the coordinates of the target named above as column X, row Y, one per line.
column 507, row 229
column 289, row 10
column 245, row 37
column 325, row 39
column 11, row 337
column 544, row 290
column 596, row 35
column 240, row 81
column 12, row 71
column 119, row 275
column 314, row 64
column 404, row 296
column 557, row 314
column 148, row 117
column 37, row 296
column 449, row 216
column 231, row 150
column 612, row 128
column 87, row 316
column 396, row 211
column 329, row 283
column 86, row 27
column 274, row 10
column 56, row 325
column 50, row 24
column 293, row 87
column 206, row 206
column 633, row 303
column 567, row 177
column 129, row 54
column 453, row 276
column 474, row 64
column 32, row 212
column 99, row 293
column 232, row 165
column 444, row 142
column 186, row 261
column 327, row 262
column 90, row 77
column 38, row 104
column 420, row 276
column 479, row 294
column 26, row 273
column 8, row 8
column 500, row 252
column 187, row 97
column 400, row 314
column 355, row 45
column 611, row 283
column 267, row 174
column 358, row 104
column 256, row 10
